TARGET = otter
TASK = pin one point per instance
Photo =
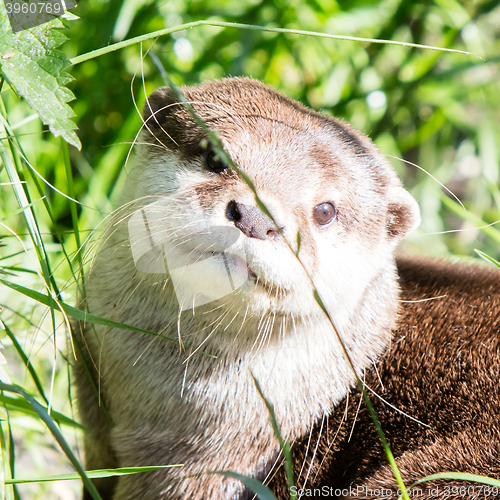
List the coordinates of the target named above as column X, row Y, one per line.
column 230, row 293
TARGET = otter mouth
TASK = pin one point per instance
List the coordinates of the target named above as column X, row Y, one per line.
column 235, row 261
column 269, row 287
column 215, row 273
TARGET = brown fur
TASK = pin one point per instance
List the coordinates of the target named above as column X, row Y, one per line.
column 443, row 369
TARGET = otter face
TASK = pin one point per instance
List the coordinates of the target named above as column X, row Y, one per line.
column 318, row 178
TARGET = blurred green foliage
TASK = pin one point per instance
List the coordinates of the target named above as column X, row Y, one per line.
column 437, row 110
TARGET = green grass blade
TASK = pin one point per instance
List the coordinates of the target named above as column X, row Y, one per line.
column 82, row 315
column 20, row 210
column 487, row 258
column 16, row 269
column 76, row 313
column 23, row 406
column 92, row 474
column 249, row 27
column 373, row 414
column 18, row 186
column 5, row 469
column 493, row 233
column 10, row 158
column 460, row 476
column 284, row 445
column 12, row 457
column 72, row 195
column 262, row 491
column 54, row 429
column 26, row 362
column 36, row 177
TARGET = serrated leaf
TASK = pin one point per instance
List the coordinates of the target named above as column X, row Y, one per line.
column 31, row 64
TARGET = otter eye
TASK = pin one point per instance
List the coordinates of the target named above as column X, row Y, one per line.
column 324, row 213
column 213, row 164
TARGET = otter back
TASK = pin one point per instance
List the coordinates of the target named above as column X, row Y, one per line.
column 439, row 384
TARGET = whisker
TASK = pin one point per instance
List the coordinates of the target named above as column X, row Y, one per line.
column 314, row 452
column 431, row 176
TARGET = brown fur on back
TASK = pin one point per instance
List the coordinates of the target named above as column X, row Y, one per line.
column 443, row 369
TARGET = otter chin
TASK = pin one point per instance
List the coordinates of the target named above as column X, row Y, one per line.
column 227, row 293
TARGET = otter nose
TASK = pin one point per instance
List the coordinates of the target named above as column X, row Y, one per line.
column 251, row 221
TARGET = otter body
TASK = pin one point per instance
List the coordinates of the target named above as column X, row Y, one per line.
column 190, row 258
column 439, row 381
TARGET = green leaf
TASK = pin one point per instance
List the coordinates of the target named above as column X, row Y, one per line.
column 34, row 68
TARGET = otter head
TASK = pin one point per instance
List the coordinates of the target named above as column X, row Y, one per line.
column 325, row 185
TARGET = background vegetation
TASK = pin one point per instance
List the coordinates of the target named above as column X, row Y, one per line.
column 437, row 110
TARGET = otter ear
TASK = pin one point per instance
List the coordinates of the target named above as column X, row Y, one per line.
column 403, row 213
column 158, row 106
column 166, row 120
